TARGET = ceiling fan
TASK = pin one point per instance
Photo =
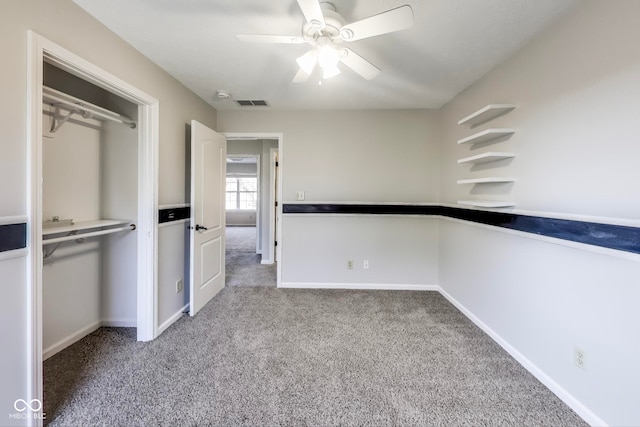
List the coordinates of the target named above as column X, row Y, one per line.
column 325, row 30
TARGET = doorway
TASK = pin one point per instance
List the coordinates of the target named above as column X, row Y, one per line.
column 262, row 147
column 145, row 148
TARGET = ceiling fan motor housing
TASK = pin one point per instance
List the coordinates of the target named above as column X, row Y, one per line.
column 333, row 23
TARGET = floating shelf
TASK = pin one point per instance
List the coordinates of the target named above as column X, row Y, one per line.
column 487, row 135
column 487, row 113
column 487, row 157
column 486, row 204
column 488, row 180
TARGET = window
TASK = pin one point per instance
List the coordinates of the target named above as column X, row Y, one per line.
column 242, row 193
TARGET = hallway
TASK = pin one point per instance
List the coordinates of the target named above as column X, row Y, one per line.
column 243, row 264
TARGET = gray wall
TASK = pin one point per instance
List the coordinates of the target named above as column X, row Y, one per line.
column 577, row 149
column 64, row 23
column 366, row 156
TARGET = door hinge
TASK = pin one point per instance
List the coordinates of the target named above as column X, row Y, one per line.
column 277, row 164
column 276, row 203
column 276, row 243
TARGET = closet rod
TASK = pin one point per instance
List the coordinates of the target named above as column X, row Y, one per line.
column 56, row 97
column 82, row 236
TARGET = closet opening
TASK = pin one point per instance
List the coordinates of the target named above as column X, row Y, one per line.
column 89, row 210
column 92, row 203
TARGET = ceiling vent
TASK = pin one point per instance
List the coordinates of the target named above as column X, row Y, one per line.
column 252, row 103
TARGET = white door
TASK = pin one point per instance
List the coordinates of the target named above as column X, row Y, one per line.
column 208, row 189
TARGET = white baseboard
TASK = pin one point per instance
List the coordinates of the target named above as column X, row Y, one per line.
column 266, row 261
column 577, row 406
column 171, row 320
column 362, row 286
column 66, row 342
column 120, row 323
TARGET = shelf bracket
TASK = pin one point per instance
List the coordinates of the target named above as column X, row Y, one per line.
column 57, row 124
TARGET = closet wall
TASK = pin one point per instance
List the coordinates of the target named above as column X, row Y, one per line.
column 89, row 173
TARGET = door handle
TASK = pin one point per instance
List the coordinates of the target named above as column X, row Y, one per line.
column 199, row 227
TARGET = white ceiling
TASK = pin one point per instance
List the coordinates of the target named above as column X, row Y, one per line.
column 452, row 44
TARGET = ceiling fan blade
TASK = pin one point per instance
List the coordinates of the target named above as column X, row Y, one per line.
column 358, row 64
column 392, row 20
column 301, row 76
column 312, row 13
column 268, row 38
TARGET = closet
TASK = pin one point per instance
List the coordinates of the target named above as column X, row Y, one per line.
column 89, row 210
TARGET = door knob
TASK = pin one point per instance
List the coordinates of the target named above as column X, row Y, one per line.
column 199, row 227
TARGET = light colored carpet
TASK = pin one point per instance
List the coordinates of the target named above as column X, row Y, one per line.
column 245, row 270
column 243, row 267
column 266, row 357
column 240, row 239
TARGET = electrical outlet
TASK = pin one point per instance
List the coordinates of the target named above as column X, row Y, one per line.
column 580, row 358
column 300, row 195
column 179, row 286
column 350, row 264
column 365, row 264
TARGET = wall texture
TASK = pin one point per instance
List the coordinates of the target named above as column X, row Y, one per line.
column 577, row 92
column 353, row 156
column 62, row 22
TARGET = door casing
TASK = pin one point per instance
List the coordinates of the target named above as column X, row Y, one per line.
column 40, row 50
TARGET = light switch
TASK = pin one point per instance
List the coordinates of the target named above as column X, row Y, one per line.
column 299, row 195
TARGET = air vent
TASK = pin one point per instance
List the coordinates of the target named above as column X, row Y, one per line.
column 252, row 103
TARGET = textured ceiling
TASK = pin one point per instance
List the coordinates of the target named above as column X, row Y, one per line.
column 452, row 44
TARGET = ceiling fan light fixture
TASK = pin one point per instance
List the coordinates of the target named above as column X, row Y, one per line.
column 307, row 62
column 329, row 72
column 328, row 57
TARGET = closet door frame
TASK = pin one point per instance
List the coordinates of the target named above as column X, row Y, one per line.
column 41, row 49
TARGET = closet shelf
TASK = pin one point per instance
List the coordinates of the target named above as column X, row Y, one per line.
column 487, row 157
column 84, row 229
column 487, row 135
column 486, row 204
column 487, row 113
column 76, row 105
column 488, row 180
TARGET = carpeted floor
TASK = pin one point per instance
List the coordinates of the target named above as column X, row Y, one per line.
column 241, row 239
column 264, row 356
column 243, row 267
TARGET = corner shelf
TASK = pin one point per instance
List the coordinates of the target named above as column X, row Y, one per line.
column 487, row 113
column 490, row 156
column 488, row 180
column 486, row 204
column 487, row 135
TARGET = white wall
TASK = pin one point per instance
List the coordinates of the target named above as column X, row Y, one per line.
column 71, row 277
column 64, row 23
column 353, row 156
column 577, row 92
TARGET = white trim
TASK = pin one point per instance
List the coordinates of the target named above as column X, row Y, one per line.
column 15, row 253
column 174, row 318
column 273, row 198
column 280, row 137
column 580, row 409
column 553, row 240
column 176, row 222
column 267, row 261
column 39, row 50
column 8, row 220
column 71, row 339
column 119, row 323
column 360, row 286
column 556, row 215
column 174, row 206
